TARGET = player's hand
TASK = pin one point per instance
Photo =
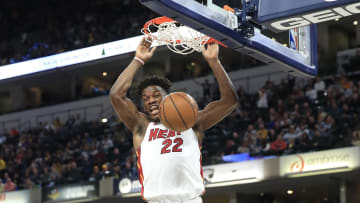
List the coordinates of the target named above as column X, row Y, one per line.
column 144, row 50
column 211, row 52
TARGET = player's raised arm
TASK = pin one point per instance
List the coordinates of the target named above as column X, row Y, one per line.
column 124, row 107
column 217, row 110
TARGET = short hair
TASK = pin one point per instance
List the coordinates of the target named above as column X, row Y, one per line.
column 154, row 80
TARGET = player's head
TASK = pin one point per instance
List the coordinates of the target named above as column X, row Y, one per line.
column 152, row 90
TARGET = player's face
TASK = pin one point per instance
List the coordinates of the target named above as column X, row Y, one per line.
column 152, row 96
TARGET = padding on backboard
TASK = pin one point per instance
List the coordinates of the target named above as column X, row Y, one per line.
column 219, row 24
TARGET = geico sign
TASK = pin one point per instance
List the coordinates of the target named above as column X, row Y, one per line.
column 317, row 17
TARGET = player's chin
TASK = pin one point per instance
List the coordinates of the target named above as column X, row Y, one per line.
column 155, row 118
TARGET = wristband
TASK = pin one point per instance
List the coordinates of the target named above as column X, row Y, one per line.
column 140, row 60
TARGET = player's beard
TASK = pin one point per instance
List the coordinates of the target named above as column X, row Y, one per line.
column 156, row 120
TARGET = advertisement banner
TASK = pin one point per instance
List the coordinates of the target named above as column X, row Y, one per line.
column 126, row 186
column 22, row 196
column 70, row 58
column 233, row 173
column 344, row 158
column 69, row 192
column 214, row 176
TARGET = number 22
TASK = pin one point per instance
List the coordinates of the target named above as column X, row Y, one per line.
column 166, row 144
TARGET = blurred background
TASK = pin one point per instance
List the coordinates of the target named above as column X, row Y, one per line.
column 290, row 139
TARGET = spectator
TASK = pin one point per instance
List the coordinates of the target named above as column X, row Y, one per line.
column 304, row 143
column 279, row 145
column 2, row 163
column 96, row 175
column 262, row 132
column 2, row 186
column 291, row 134
column 262, row 102
column 107, row 143
column 57, row 124
column 9, row 185
column 28, row 184
column 116, row 172
column 106, row 172
column 244, row 147
column 229, row 147
column 70, row 122
column 74, row 173
column 311, row 93
column 320, row 142
column 356, row 138
column 206, row 87
column 319, row 84
column 2, row 138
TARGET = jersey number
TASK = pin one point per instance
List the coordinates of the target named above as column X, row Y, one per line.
column 175, row 148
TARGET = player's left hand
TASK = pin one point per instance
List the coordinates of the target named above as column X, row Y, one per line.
column 211, row 52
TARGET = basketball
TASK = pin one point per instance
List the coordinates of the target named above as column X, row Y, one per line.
column 178, row 111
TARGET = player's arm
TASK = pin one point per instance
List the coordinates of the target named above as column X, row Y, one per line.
column 124, row 107
column 217, row 110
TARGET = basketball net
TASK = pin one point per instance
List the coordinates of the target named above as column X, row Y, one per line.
column 177, row 37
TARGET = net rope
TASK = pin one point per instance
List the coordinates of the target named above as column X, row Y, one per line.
column 177, row 37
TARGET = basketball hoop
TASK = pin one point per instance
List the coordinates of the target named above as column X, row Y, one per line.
column 177, row 37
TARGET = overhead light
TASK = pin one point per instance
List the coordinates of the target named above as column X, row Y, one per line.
column 355, row 22
column 330, row 0
column 290, row 192
column 337, row 19
column 104, row 74
column 104, row 120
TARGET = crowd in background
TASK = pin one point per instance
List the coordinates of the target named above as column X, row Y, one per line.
column 54, row 27
column 279, row 119
column 293, row 118
column 63, row 153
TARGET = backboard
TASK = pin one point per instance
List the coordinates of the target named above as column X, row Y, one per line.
column 241, row 29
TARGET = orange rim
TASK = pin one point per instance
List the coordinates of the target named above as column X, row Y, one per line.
column 165, row 19
column 157, row 21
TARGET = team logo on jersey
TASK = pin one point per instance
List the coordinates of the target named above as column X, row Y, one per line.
column 157, row 133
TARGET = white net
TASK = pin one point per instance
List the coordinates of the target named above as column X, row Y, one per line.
column 178, row 38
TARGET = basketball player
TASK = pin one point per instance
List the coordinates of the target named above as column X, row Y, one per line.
column 169, row 163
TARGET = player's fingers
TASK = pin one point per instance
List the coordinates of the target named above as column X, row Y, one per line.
column 204, row 47
column 142, row 42
column 213, row 44
column 152, row 50
column 148, row 42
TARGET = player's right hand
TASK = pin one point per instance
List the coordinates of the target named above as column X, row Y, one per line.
column 144, row 50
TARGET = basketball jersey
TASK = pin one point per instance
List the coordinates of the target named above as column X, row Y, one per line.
column 169, row 165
